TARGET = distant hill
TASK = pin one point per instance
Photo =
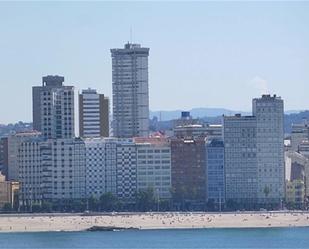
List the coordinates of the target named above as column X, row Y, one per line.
column 214, row 116
column 12, row 128
column 208, row 115
column 294, row 118
column 195, row 112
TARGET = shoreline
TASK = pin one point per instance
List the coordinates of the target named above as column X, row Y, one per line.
column 55, row 222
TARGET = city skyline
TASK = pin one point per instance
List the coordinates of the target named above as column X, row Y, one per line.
column 244, row 48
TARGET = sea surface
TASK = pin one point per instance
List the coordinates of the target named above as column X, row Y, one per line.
column 153, row 239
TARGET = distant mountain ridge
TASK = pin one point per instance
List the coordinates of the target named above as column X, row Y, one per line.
column 214, row 116
column 195, row 113
column 208, row 115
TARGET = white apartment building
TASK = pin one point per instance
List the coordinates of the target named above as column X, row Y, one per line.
column 254, row 153
column 111, row 167
column 52, row 170
column 154, row 167
column 130, row 91
column 126, row 170
column 14, row 142
column 93, row 114
column 124, row 166
column 240, row 162
column 269, row 114
column 100, row 166
column 67, row 166
column 30, row 172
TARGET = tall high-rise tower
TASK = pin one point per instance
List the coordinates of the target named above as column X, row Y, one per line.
column 53, row 108
column 254, row 154
column 269, row 114
column 130, row 91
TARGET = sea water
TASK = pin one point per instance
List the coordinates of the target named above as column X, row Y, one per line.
column 153, row 239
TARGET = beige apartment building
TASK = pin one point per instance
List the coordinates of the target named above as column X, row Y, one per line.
column 8, row 191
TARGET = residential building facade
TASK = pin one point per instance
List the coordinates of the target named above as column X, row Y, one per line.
column 254, row 154
column 13, row 144
column 300, row 133
column 241, row 176
column 8, row 192
column 215, row 170
column 154, row 166
column 51, row 170
column 188, row 172
column 93, row 114
column 269, row 113
column 53, row 108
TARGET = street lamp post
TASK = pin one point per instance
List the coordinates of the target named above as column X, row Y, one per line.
column 158, row 200
column 220, row 200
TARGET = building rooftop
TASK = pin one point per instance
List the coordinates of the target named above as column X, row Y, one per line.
column 52, row 80
column 268, row 97
column 130, row 48
column 89, row 91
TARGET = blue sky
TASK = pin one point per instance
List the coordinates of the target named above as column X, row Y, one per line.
column 202, row 54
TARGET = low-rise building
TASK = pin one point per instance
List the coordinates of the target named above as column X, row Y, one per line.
column 295, row 194
column 300, row 133
column 296, row 170
column 8, row 192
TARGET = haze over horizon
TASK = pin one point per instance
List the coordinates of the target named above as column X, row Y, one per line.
column 202, row 54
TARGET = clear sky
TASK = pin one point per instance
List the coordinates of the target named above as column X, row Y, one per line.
column 202, row 54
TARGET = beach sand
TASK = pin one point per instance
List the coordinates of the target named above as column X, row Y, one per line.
column 79, row 222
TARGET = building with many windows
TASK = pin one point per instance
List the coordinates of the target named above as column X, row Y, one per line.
column 13, row 144
column 154, row 166
column 300, row 133
column 269, row 114
column 93, row 114
column 126, row 170
column 125, row 166
column 8, row 192
column 254, row 154
column 188, row 172
column 53, row 108
column 111, row 167
column 241, row 172
column 100, row 166
column 4, row 155
column 51, row 170
column 215, row 170
column 130, row 91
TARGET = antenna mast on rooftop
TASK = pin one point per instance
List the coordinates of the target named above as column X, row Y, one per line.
column 131, row 34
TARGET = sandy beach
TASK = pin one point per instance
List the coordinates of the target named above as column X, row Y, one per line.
column 80, row 222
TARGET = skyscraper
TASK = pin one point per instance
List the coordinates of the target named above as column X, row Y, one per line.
column 53, row 108
column 130, row 91
column 269, row 114
column 254, row 154
column 93, row 114
column 240, row 159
